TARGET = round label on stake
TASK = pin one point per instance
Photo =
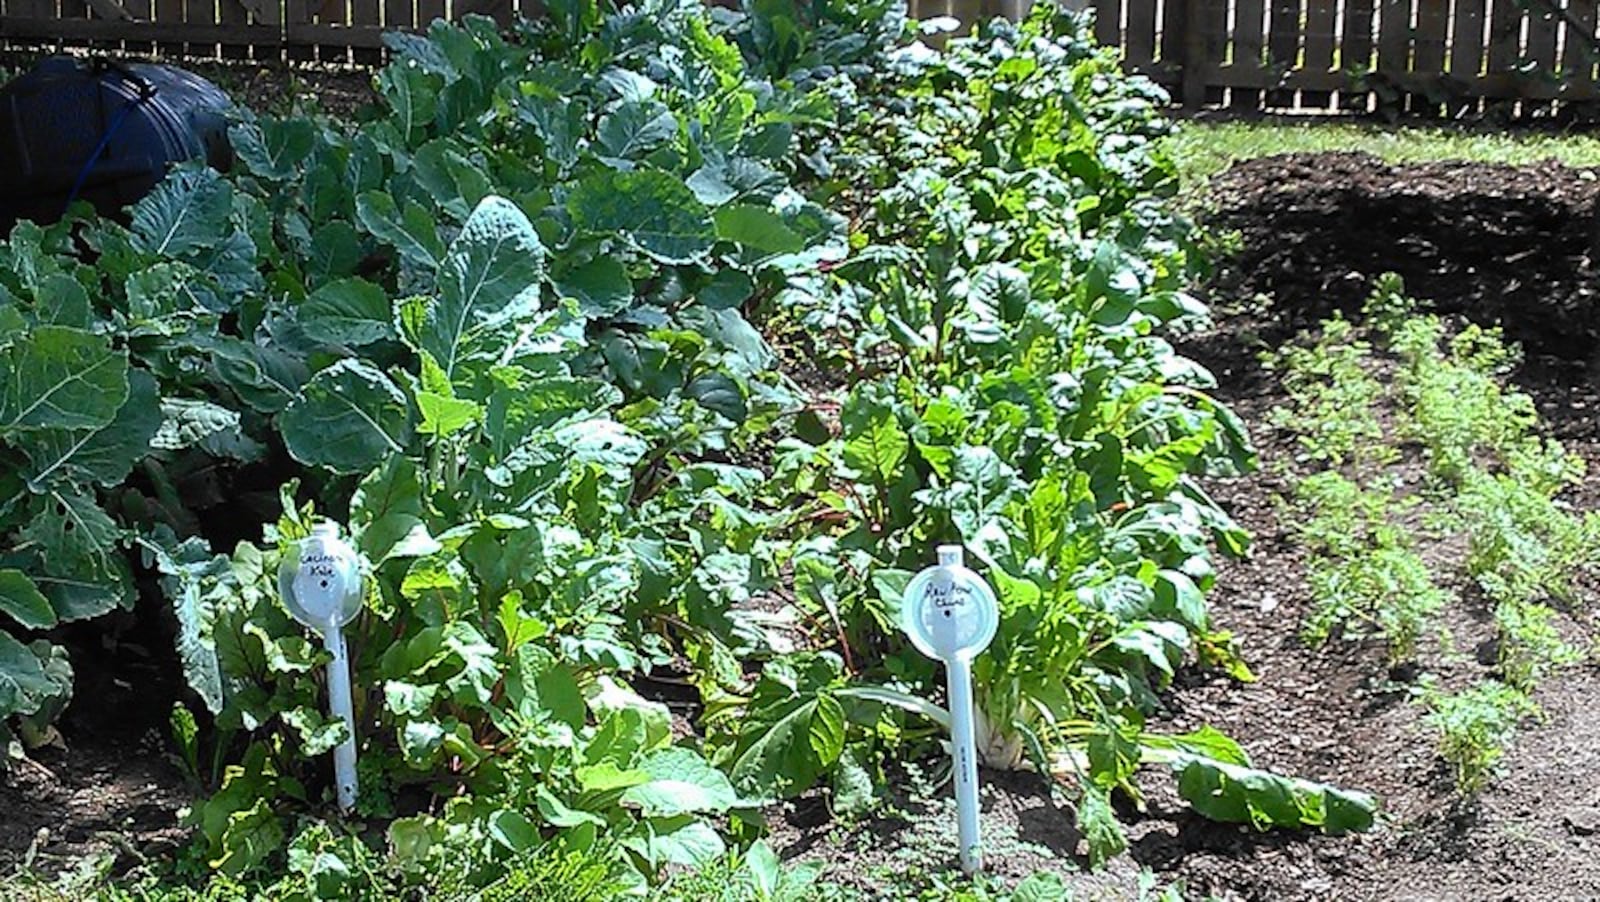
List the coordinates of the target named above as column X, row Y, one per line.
column 320, row 580
column 950, row 610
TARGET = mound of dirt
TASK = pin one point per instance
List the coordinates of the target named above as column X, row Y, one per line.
column 1518, row 245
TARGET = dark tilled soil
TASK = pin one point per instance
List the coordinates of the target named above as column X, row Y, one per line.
column 93, row 802
column 1500, row 245
column 1518, row 243
column 106, row 785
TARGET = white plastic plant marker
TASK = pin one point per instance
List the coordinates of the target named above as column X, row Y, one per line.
column 321, row 584
column 951, row 615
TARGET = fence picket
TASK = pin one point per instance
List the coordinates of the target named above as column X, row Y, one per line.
column 1248, row 47
column 1450, row 55
column 1394, row 48
column 1108, row 22
column 1579, row 53
column 1139, row 39
column 1283, row 47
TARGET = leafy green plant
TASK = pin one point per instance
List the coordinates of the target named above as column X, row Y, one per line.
column 1333, row 395
column 1524, row 545
column 1004, row 390
column 1475, row 726
column 1456, row 405
column 1388, row 591
column 505, row 331
column 1530, row 646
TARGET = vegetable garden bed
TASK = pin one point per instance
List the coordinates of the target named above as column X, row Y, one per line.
column 646, row 354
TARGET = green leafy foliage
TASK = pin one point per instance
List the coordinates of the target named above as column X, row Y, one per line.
column 1475, row 726
column 505, row 330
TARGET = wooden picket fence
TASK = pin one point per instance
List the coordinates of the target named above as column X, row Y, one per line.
column 1442, row 56
column 1419, row 56
column 337, row 31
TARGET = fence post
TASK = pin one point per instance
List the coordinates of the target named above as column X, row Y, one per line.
column 1194, row 62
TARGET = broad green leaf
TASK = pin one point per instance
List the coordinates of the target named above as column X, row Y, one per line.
column 190, row 573
column 1113, row 282
column 188, row 211
column 23, row 601
column 854, row 790
column 23, row 682
column 1002, row 289
column 412, row 231
column 61, row 301
column 681, row 782
column 1206, row 742
column 349, row 419
column 265, row 378
column 86, row 592
column 522, row 403
column 1178, row 597
column 879, row 449
column 685, row 841
column 1238, row 794
column 653, row 209
column 335, row 251
column 715, row 391
column 608, row 777
column 722, row 180
column 542, row 688
column 517, row 626
column 409, row 699
column 273, row 148
column 74, row 536
column 386, row 507
column 634, row 127
column 166, row 299
column 601, row 286
column 1113, row 754
column 103, row 456
column 250, row 837
column 420, row 742
column 606, row 444
column 491, row 274
column 413, row 98
column 442, row 412
column 318, row 734
column 793, row 730
column 351, row 312
column 513, row 830
column 61, row 378
column 444, row 167
column 557, row 813
column 1099, row 825
column 758, row 228
column 728, row 289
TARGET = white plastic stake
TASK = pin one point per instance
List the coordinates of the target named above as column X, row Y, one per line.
column 958, row 673
column 951, row 615
column 344, row 754
column 321, row 585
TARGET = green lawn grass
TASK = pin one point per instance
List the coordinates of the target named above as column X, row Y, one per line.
column 1203, row 149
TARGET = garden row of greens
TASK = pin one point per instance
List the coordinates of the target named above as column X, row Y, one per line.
column 1491, row 478
column 503, row 329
